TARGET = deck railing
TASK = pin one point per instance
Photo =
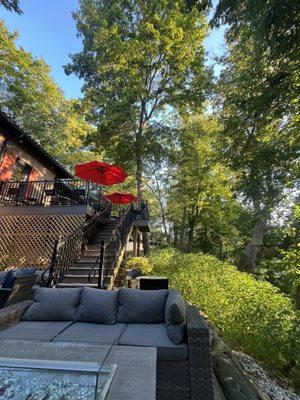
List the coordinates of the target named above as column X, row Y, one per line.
column 47, row 193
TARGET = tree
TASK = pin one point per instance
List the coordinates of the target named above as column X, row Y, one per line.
column 200, row 205
column 12, row 5
column 30, row 96
column 273, row 28
column 138, row 59
column 260, row 135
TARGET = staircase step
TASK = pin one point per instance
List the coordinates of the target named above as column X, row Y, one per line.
column 70, row 285
column 92, row 253
column 78, row 274
column 84, row 264
column 79, row 271
column 78, row 279
column 88, row 258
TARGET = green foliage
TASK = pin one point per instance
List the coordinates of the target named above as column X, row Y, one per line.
column 138, row 58
column 30, row 96
column 273, row 30
column 282, row 266
column 253, row 315
column 284, row 271
column 11, row 5
column 257, row 98
column 259, row 139
column 200, row 202
column 141, row 263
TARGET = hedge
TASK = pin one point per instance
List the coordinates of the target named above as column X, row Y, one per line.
column 253, row 315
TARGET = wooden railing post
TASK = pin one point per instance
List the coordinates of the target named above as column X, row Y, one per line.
column 101, row 260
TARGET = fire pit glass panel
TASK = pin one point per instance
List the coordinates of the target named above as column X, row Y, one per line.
column 22, row 379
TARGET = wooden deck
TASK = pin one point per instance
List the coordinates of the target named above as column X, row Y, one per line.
column 47, row 210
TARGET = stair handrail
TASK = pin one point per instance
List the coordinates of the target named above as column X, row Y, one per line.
column 68, row 250
column 100, row 262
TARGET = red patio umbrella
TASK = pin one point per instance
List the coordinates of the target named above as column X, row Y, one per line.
column 100, row 173
column 120, row 198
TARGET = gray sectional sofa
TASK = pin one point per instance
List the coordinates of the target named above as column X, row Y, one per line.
column 125, row 317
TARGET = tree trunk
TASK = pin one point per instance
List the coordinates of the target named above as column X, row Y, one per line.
column 182, row 231
column 139, row 168
column 220, row 243
column 161, row 207
column 192, row 224
column 254, row 246
column 175, row 240
column 139, row 174
column 162, row 210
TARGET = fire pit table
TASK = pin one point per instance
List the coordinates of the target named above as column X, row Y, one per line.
column 67, row 371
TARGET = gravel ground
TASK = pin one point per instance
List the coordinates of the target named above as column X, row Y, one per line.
column 267, row 385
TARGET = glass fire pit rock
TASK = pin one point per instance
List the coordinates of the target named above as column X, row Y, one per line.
column 54, row 380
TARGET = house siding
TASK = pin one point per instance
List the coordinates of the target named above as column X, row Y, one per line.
column 39, row 171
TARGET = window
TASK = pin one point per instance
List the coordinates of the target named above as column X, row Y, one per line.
column 3, row 147
column 21, row 171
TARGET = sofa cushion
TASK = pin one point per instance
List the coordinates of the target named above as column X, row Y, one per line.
column 176, row 332
column 53, row 305
column 91, row 333
column 142, row 306
column 27, row 271
column 175, row 310
column 9, row 279
column 154, row 335
column 98, row 306
column 34, row 330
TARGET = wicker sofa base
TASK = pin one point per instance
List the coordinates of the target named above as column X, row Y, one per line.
column 172, row 380
column 190, row 379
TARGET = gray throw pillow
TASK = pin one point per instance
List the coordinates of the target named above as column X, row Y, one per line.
column 53, row 305
column 142, row 306
column 175, row 310
column 98, row 306
column 176, row 332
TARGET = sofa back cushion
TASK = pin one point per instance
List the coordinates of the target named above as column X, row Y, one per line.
column 98, row 306
column 175, row 310
column 142, row 306
column 27, row 271
column 175, row 317
column 9, row 279
column 53, row 305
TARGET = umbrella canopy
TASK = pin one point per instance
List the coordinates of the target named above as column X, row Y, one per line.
column 120, row 198
column 101, row 173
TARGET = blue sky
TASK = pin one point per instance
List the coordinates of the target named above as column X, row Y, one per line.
column 47, row 30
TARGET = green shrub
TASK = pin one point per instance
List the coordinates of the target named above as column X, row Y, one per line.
column 253, row 315
column 141, row 263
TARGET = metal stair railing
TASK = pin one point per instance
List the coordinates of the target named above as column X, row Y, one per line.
column 114, row 244
column 68, row 250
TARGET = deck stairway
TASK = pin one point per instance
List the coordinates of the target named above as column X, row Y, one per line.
column 91, row 255
column 85, row 271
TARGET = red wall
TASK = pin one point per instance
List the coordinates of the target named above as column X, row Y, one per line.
column 34, row 175
column 7, row 165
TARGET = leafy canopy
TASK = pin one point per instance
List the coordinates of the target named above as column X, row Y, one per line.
column 138, row 59
column 11, row 5
column 30, row 96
